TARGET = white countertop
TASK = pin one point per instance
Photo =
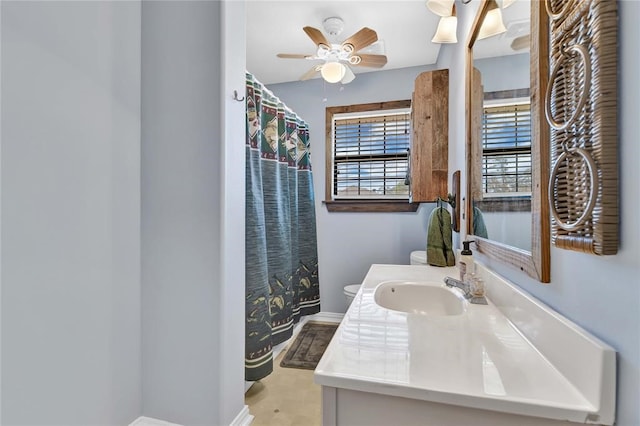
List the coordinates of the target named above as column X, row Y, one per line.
column 478, row 359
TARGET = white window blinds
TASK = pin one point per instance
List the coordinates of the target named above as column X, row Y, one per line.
column 370, row 155
column 506, row 143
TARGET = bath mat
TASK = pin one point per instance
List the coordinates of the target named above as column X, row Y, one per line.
column 310, row 344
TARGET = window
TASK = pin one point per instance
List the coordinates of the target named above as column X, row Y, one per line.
column 506, row 150
column 370, row 155
column 367, row 157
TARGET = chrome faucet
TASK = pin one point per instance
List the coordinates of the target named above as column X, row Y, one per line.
column 466, row 289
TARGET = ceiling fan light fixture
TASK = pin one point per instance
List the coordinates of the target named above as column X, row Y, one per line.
column 348, row 76
column 333, row 72
column 355, row 60
column 337, row 58
column 440, row 7
column 447, row 28
column 493, row 24
column 347, row 48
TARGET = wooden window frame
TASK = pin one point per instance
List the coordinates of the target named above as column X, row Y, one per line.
column 359, row 205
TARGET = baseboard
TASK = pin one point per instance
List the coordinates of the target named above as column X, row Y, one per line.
column 244, row 418
column 326, row 316
column 148, row 421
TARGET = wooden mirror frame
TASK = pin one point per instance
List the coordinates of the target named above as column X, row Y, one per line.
column 536, row 263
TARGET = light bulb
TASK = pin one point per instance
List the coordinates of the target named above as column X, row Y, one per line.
column 332, row 72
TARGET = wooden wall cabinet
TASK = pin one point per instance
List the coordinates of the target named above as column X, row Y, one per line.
column 430, row 137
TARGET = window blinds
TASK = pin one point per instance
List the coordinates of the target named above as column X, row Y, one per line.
column 506, row 143
column 370, row 157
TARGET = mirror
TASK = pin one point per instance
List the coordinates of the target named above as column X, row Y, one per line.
column 508, row 140
column 502, row 184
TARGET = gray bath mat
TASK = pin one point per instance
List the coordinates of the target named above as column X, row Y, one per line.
column 310, row 344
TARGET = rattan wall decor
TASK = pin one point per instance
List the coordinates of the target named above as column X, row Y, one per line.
column 581, row 108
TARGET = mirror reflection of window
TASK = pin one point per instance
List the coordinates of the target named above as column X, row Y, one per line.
column 506, row 145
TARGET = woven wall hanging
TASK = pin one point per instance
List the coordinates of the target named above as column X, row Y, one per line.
column 581, row 108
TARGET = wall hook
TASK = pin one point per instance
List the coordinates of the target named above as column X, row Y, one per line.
column 235, row 96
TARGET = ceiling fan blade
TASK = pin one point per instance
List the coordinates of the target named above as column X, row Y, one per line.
column 348, row 76
column 311, row 73
column 521, row 42
column 294, row 56
column 373, row 61
column 317, row 36
column 361, row 39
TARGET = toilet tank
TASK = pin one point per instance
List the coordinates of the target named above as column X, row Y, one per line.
column 418, row 257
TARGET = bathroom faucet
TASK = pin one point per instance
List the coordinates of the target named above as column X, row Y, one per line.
column 466, row 289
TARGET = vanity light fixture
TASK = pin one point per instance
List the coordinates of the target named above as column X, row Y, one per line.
column 446, row 32
column 440, row 7
column 333, row 71
column 492, row 24
column 447, row 26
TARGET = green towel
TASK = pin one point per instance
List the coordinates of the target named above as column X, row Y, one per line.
column 439, row 244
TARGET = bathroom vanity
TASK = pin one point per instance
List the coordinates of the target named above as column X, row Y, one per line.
column 511, row 362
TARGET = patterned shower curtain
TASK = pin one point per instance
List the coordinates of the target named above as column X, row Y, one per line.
column 281, row 245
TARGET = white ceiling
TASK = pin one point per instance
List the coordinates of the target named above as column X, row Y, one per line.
column 405, row 27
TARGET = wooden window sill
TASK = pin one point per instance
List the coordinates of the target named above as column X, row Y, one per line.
column 504, row 204
column 371, row 206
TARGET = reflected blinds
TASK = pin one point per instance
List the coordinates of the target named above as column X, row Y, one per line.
column 370, row 155
column 506, row 149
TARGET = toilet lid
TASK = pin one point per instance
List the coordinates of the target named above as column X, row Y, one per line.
column 419, row 257
column 352, row 289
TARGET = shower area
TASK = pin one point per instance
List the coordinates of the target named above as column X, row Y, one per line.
column 281, row 269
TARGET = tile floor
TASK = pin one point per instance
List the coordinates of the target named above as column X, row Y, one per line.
column 286, row 397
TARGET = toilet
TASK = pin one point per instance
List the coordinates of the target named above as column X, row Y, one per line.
column 418, row 257
column 350, row 292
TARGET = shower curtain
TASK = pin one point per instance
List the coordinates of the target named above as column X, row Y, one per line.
column 281, row 246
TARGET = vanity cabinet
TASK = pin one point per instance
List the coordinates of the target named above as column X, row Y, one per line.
column 350, row 407
column 429, row 152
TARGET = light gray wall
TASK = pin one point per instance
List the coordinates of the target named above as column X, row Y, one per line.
column 504, row 72
column 348, row 243
column 192, row 245
column 70, row 261
column 602, row 294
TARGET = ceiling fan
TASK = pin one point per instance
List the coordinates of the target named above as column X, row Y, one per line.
column 337, row 57
column 519, row 32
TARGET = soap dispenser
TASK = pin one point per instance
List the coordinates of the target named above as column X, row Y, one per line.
column 465, row 263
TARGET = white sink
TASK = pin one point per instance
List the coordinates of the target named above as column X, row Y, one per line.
column 419, row 297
